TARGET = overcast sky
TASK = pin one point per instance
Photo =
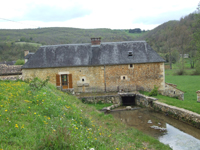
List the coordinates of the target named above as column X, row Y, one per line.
column 114, row 14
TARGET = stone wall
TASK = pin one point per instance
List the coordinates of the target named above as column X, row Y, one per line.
column 93, row 77
column 10, row 70
column 137, row 77
column 108, row 78
column 114, row 99
column 178, row 113
column 143, row 100
column 172, row 91
column 12, row 77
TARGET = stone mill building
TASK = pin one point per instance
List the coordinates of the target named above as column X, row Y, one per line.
column 98, row 66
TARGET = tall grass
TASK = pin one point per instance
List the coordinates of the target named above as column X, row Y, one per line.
column 50, row 119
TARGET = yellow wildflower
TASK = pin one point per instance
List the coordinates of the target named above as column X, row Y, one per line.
column 22, row 126
column 34, row 112
column 16, row 126
column 6, row 110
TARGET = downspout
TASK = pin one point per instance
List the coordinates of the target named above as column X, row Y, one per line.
column 105, row 77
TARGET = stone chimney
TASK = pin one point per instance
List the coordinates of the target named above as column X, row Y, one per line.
column 96, row 41
column 26, row 52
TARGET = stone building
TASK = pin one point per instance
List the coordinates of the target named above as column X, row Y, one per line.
column 172, row 91
column 10, row 72
column 98, row 67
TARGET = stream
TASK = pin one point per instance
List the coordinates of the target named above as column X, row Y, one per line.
column 178, row 135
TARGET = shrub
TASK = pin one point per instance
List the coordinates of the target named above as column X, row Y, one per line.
column 154, row 92
column 20, row 62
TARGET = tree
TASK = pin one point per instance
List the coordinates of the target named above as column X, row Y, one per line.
column 196, row 37
column 183, row 39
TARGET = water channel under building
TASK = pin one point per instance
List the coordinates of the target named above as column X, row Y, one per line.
column 179, row 135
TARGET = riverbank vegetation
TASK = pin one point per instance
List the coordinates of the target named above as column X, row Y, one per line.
column 50, row 119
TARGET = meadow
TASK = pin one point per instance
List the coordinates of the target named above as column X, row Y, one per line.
column 46, row 118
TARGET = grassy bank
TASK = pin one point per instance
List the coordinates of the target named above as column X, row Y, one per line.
column 51, row 119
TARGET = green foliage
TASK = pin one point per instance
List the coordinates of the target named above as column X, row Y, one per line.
column 20, row 62
column 37, row 84
column 52, row 36
column 100, row 106
column 197, row 69
column 154, row 92
column 181, row 67
column 10, row 52
column 60, row 121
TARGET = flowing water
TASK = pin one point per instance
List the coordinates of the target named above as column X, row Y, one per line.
column 178, row 135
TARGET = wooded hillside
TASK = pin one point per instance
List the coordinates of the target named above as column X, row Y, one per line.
column 11, row 46
column 173, row 37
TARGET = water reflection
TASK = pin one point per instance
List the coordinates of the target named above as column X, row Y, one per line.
column 179, row 140
column 178, row 135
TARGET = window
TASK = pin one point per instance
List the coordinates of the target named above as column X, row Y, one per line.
column 64, row 80
column 131, row 65
column 83, row 79
column 130, row 53
column 124, row 77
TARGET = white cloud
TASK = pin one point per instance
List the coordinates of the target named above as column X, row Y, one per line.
column 124, row 14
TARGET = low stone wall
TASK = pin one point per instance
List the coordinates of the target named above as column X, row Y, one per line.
column 143, row 100
column 13, row 77
column 114, row 99
column 178, row 113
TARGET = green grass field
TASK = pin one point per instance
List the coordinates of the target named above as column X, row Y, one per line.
column 50, row 119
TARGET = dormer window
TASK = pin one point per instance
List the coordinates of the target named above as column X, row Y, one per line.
column 130, row 53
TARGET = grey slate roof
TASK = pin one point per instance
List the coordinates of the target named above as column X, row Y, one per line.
column 109, row 53
column 29, row 55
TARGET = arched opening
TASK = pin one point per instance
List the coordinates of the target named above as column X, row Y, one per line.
column 128, row 100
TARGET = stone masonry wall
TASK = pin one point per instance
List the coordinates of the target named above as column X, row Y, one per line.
column 137, row 77
column 178, row 113
column 93, row 77
column 102, row 99
column 172, row 91
column 11, row 77
column 117, row 77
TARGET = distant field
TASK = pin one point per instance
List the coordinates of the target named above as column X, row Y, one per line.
column 33, row 44
column 188, row 84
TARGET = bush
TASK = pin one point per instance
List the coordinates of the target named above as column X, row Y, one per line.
column 20, row 62
column 154, row 92
column 197, row 69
